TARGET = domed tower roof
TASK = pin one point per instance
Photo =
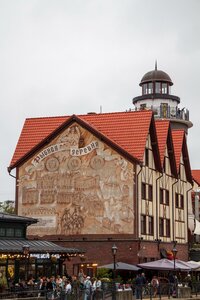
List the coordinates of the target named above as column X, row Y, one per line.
column 156, row 75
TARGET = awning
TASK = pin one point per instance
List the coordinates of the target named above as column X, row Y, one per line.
column 120, row 266
column 166, row 264
column 35, row 246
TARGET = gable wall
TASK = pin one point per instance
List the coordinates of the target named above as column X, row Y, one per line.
column 77, row 185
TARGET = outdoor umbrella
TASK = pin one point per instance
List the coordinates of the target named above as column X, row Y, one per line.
column 120, row 266
column 194, row 265
column 165, row 264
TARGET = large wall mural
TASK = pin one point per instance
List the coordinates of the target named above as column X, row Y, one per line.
column 77, row 185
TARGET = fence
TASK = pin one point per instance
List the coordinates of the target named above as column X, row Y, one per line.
column 108, row 291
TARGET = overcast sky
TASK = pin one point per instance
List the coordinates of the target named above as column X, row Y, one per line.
column 63, row 57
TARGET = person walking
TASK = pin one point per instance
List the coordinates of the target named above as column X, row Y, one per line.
column 155, row 285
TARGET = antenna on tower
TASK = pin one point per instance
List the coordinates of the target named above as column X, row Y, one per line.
column 156, row 65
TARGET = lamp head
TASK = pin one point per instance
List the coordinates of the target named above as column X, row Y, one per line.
column 174, row 251
column 114, row 249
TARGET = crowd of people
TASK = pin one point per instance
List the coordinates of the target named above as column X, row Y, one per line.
column 157, row 285
column 57, row 287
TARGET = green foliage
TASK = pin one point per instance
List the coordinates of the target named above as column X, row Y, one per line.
column 104, row 273
column 7, row 207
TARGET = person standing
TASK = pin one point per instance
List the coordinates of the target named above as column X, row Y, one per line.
column 87, row 288
column 96, row 288
column 138, row 286
column 68, row 288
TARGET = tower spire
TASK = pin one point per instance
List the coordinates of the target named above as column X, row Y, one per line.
column 156, row 65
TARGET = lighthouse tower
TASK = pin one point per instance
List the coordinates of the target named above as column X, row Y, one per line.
column 156, row 95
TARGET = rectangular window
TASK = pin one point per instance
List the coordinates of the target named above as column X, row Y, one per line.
column 164, row 88
column 161, row 226
column 143, row 224
column 150, row 88
column 18, row 232
column 150, row 225
column 10, row 232
column 146, row 157
column 166, row 197
column 2, row 231
column 145, row 90
column 182, row 201
column 143, row 106
column 177, row 200
column 143, row 190
column 150, row 192
column 161, row 196
column 167, row 227
column 158, row 89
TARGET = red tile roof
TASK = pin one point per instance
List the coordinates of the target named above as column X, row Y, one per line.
column 127, row 130
column 178, row 136
column 180, row 147
column 196, row 176
column 162, row 129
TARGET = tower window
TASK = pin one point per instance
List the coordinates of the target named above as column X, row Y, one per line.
column 164, row 88
column 147, row 88
column 158, row 87
column 143, row 106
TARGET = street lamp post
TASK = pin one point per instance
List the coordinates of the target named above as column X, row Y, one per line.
column 114, row 252
column 174, row 251
column 26, row 249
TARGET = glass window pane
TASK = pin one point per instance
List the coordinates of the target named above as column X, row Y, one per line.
column 2, row 231
column 158, row 89
column 150, row 88
column 18, row 232
column 10, row 232
column 167, row 227
column 164, row 88
column 145, row 90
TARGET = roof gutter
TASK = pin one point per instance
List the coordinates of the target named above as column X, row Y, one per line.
column 9, row 172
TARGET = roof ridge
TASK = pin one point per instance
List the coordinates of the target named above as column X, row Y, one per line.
column 90, row 114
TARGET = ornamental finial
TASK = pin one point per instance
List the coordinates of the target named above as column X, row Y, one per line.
column 156, row 65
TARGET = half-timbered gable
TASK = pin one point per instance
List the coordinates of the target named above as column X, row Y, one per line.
column 181, row 187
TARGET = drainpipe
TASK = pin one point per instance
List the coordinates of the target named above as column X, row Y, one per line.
column 157, row 200
column 173, row 210
column 16, row 195
column 187, row 193
column 137, row 206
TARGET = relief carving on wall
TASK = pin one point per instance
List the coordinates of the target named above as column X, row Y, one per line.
column 77, row 185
